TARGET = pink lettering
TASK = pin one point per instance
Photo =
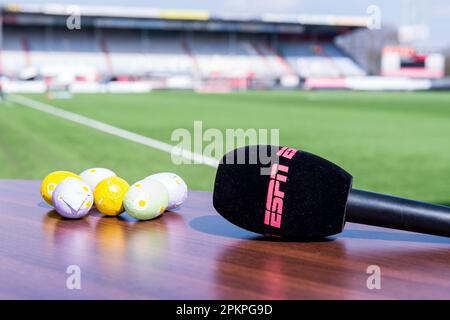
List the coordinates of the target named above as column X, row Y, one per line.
column 275, row 195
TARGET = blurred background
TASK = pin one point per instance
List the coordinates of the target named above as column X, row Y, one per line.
column 362, row 83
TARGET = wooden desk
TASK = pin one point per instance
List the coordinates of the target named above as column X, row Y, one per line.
column 195, row 254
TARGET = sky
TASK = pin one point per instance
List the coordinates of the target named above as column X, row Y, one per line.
column 435, row 14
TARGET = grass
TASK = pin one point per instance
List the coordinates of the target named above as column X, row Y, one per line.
column 395, row 143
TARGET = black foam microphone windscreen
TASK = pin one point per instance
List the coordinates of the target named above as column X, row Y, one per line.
column 313, row 188
column 284, row 192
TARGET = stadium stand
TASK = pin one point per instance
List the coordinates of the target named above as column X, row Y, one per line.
column 124, row 46
column 135, row 53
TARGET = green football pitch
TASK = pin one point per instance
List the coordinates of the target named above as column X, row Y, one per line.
column 395, row 143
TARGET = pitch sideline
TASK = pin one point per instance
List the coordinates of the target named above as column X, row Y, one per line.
column 115, row 131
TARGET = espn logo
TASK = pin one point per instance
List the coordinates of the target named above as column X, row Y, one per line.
column 275, row 196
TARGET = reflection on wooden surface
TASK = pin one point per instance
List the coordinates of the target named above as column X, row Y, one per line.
column 194, row 253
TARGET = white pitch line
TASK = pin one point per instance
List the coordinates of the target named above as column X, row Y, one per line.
column 125, row 134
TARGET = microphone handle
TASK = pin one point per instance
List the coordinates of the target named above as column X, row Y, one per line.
column 398, row 213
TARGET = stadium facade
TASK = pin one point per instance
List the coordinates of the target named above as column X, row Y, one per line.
column 139, row 49
column 172, row 47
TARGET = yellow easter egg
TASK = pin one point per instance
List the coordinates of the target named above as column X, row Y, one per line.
column 50, row 182
column 109, row 194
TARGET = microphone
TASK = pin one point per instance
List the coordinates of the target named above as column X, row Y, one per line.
column 289, row 193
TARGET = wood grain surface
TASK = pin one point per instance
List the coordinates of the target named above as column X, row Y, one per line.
column 193, row 253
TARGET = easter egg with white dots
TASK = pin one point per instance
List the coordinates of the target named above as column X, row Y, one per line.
column 175, row 185
column 145, row 201
column 51, row 181
column 72, row 198
column 109, row 194
column 93, row 176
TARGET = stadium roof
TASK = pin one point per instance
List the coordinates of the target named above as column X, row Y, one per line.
column 124, row 16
